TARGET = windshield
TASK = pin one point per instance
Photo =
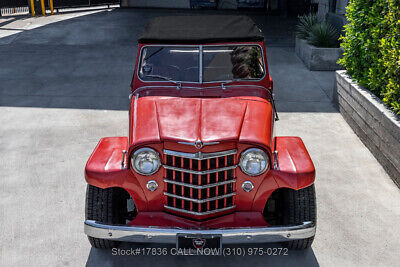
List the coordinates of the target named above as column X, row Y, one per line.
column 174, row 63
column 219, row 63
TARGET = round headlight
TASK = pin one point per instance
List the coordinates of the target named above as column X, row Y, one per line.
column 145, row 161
column 254, row 162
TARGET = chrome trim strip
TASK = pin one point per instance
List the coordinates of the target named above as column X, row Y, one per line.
column 201, row 88
column 200, row 201
column 138, row 90
column 201, row 64
column 200, row 186
column 124, row 165
column 276, row 161
column 198, row 142
column 200, row 155
column 199, row 172
column 200, row 213
column 229, row 236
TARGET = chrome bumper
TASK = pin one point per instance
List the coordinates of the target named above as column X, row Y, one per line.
column 229, row 236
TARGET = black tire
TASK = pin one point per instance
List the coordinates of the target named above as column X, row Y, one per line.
column 106, row 206
column 300, row 206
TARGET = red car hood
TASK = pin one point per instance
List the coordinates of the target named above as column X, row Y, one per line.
column 241, row 119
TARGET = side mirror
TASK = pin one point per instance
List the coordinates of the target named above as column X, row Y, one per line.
column 271, row 83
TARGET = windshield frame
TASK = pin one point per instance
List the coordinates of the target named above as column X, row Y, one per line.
column 201, row 47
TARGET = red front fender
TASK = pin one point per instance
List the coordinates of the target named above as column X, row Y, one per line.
column 294, row 169
column 104, row 169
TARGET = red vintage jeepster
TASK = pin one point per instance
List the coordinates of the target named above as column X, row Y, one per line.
column 201, row 166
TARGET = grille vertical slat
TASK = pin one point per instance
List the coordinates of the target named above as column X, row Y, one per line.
column 199, row 183
column 195, row 188
column 191, row 182
column 225, row 177
column 182, row 188
column 234, row 187
column 218, row 180
column 208, row 182
column 173, row 176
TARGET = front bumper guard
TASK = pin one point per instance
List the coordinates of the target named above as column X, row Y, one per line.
column 229, row 235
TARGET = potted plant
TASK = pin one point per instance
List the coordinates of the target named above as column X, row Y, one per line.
column 317, row 43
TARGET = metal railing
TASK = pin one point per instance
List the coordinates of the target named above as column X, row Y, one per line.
column 9, row 11
column 13, row 7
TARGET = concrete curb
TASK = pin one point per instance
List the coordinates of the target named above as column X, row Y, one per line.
column 376, row 126
column 318, row 58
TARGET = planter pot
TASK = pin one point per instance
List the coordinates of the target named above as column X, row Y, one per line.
column 376, row 125
column 318, row 58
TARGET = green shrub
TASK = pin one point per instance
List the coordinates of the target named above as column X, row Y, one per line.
column 372, row 47
column 323, row 35
column 306, row 22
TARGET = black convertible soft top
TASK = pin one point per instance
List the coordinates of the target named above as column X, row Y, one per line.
column 201, row 29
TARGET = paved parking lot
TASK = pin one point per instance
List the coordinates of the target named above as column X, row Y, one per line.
column 64, row 84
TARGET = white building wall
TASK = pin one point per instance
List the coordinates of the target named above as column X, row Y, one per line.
column 323, row 6
column 341, row 6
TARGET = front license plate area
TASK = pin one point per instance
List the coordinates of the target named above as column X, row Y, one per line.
column 199, row 244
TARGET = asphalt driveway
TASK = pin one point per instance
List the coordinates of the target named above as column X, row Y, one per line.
column 64, row 84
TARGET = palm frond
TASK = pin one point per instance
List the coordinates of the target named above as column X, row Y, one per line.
column 306, row 22
column 323, row 35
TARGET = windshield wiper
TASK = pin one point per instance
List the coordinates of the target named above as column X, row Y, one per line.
column 223, row 84
column 164, row 78
column 154, row 53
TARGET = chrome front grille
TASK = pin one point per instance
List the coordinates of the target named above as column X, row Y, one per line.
column 199, row 183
